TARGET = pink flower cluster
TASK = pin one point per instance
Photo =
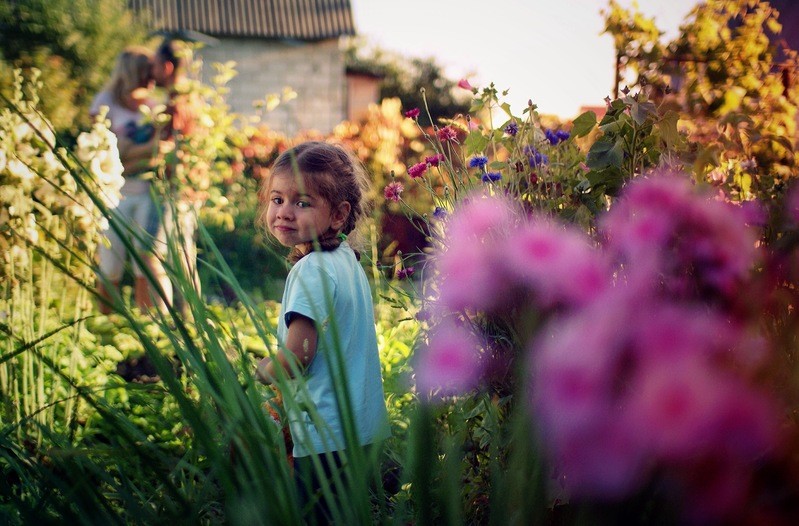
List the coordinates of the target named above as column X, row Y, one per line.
column 632, row 386
column 700, row 247
column 638, row 369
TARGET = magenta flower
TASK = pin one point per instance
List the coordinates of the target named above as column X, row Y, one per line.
column 449, row 364
column 393, row 190
column 447, row 134
column 434, row 160
column 464, row 84
column 412, row 113
column 417, row 170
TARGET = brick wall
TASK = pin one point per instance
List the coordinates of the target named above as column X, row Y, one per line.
column 314, row 70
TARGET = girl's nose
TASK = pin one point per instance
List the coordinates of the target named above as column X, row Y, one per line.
column 284, row 211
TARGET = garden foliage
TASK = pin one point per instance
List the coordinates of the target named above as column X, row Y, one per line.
column 602, row 328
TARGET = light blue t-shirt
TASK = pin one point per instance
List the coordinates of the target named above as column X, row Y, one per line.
column 331, row 288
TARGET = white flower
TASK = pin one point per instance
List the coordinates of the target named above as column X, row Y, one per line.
column 2, row 160
column 20, row 170
column 31, row 231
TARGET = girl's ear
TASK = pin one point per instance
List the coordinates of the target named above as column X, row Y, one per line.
column 339, row 215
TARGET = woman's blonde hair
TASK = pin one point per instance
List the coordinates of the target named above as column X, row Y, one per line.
column 133, row 70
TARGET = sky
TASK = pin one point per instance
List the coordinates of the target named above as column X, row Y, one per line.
column 549, row 51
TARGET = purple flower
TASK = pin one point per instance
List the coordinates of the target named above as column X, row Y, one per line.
column 478, row 161
column 491, row 177
column 412, row 113
column 439, row 213
column 434, row 160
column 393, row 190
column 405, row 273
column 417, row 170
column 512, row 129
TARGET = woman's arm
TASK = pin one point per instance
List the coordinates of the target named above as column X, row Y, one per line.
column 301, row 340
column 137, row 156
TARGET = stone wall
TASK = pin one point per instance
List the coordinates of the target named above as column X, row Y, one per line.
column 314, row 70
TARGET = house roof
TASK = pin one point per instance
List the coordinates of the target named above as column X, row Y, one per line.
column 273, row 19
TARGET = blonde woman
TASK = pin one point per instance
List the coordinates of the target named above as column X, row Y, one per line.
column 130, row 88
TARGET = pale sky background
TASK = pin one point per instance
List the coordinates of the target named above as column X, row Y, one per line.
column 549, row 51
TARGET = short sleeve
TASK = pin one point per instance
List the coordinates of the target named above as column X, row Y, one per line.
column 311, row 292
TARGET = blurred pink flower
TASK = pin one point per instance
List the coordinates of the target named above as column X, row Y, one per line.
column 412, row 113
column 698, row 246
column 659, row 381
column 449, row 364
column 556, row 263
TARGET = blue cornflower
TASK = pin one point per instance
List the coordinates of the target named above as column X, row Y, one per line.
column 491, row 177
column 563, row 135
column 478, row 161
column 512, row 129
column 439, row 213
column 535, row 157
column 552, row 137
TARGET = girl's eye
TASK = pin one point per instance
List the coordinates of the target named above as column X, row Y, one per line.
column 303, row 204
column 277, row 200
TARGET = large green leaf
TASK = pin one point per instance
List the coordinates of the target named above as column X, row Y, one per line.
column 582, row 125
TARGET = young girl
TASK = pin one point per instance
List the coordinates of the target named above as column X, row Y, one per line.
column 313, row 199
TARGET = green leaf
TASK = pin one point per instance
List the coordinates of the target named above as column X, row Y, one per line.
column 498, row 165
column 476, row 142
column 604, row 154
column 582, row 125
column 641, row 111
column 506, row 108
column 668, row 130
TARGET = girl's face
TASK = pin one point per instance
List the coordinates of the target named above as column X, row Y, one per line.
column 296, row 215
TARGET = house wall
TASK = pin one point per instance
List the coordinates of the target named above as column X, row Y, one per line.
column 362, row 90
column 314, row 70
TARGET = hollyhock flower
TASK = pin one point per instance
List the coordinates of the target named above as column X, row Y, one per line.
column 464, row 84
column 449, row 364
column 417, row 170
column 412, row 113
column 434, row 160
column 512, row 129
column 491, row 177
column 447, row 134
column 393, row 190
column 478, row 161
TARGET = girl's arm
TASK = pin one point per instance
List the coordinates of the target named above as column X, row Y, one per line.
column 301, row 341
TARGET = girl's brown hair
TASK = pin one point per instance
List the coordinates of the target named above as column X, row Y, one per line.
column 332, row 173
column 133, row 70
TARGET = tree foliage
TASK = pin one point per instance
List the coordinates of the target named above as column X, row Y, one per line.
column 73, row 42
column 722, row 74
column 417, row 82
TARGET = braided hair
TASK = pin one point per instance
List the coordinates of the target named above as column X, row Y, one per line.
column 336, row 176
